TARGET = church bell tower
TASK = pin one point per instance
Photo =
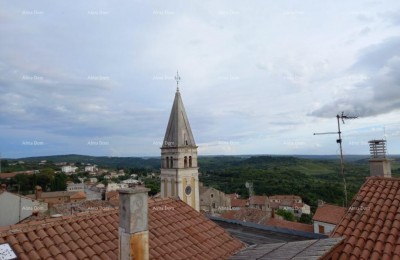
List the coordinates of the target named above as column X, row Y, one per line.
column 179, row 171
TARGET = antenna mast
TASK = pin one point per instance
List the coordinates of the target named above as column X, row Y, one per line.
column 339, row 118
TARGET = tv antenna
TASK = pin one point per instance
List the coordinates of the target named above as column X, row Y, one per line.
column 342, row 117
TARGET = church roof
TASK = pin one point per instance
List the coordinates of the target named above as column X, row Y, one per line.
column 178, row 132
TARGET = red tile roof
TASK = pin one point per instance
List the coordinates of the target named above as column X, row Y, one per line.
column 371, row 226
column 329, row 213
column 238, row 203
column 176, row 232
column 258, row 200
column 78, row 195
column 290, row 225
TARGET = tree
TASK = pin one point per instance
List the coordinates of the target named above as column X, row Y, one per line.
column 287, row 215
column 23, row 181
column 59, row 183
column 153, row 185
column 305, row 218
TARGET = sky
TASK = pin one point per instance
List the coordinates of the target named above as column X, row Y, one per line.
column 257, row 77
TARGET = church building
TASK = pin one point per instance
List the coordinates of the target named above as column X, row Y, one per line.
column 179, row 171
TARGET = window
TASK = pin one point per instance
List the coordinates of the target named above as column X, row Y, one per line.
column 213, row 205
column 190, row 161
column 212, row 195
column 188, row 190
column 167, row 162
column 185, row 162
column 172, row 163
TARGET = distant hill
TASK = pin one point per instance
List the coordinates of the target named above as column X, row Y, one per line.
column 311, row 177
column 101, row 161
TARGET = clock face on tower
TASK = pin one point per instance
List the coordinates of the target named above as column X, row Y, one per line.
column 188, row 190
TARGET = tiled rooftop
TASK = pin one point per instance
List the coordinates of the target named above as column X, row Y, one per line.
column 238, row 203
column 290, row 225
column 176, row 232
column 258, row 200
column 371, row 226
column 329, row 213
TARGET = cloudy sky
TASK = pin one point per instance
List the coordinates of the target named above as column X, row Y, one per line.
column 257, row 77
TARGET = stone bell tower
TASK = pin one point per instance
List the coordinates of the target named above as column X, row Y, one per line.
column 179, row 171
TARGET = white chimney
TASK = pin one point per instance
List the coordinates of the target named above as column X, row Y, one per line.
column 378, row 163
column 133, row 224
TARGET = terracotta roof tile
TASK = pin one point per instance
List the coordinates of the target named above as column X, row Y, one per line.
column 44, row 253
column 104, row 256
column 60, row 257
column 63, row 248
column 80, row 254
column 181, row 233
column 329, row 213
column 33, row 255
column 371, row 226
column 54, row 250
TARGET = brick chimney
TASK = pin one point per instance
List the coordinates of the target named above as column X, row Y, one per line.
column 38, row 192
column 133, row 224
column 379, row 165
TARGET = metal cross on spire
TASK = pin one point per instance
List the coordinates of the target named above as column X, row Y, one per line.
column 177, row 78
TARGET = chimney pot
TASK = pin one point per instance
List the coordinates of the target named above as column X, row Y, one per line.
column 378, row 163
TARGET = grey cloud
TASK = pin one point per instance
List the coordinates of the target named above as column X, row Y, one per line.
column 391, row 17
column 381, row 65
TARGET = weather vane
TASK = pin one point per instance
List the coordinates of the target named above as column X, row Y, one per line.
column 177, row 78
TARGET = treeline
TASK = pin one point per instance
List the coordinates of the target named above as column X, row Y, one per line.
column 47, row 179
column 272, row 175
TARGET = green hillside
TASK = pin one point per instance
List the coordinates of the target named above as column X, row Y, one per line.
column 311, row 178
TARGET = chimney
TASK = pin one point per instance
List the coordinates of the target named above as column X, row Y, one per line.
column 379, row 165
column 38, row 192
column 133, row 224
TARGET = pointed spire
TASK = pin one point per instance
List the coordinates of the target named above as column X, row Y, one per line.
column 178, row 131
